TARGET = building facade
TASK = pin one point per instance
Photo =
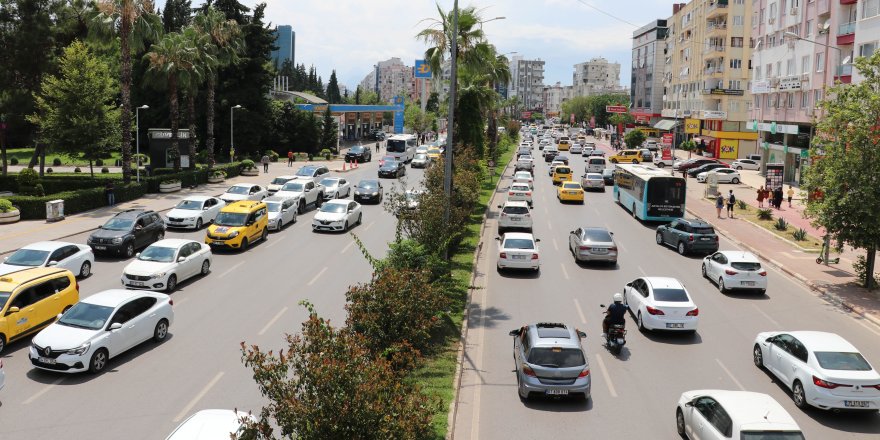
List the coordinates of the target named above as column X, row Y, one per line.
column 648, row 66
column 595, row 76
column 527, row 82
column 554, row 96
column 391, row 78
column 285, row 41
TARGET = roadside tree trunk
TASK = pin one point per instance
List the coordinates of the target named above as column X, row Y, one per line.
column 125, row 92
column 209, row 116
column 193, row 140
column 175, row 121
column 869, row 268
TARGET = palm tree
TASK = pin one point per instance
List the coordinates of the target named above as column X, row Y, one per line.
column 134, row 23
column 224, row 46
column 472, row 45
column 205, row 61
column 498, row 70
column 173, row 62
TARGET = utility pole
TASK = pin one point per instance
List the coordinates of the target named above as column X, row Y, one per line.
column 453, row 84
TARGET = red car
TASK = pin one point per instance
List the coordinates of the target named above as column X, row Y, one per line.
column 693, row 163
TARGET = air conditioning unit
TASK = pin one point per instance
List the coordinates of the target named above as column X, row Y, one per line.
column 805, row 77
column 771, row 20
column 794, row 10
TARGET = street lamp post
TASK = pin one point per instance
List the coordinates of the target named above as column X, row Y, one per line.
column 137, row 128
column 232, row 132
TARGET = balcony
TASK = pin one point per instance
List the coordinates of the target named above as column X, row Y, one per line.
column 846, row 33
column 713, row 29
column 712, row 48
column 719, row 7
column 713, row 71
column 843, row 73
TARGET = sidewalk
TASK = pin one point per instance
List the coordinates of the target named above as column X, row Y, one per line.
column 835, row 283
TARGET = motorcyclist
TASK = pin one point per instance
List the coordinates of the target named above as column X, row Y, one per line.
column 614, row 315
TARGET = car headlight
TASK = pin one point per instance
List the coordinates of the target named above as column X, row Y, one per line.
column 117, row 240
column 80, row 350
column 158, row 275
column 375, row 193
column 233, row 234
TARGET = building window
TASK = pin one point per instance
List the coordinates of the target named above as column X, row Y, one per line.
column 761, row 17
column 820, row 62
column 736, row 64
column 805, row 64
column 805, row 99
column 769, row 70
column 809, row 28
column 817, row 96
column 736, row 42
column 737, row 20
column 754, row 20
column 870, row 8
column 772, row 9
column 779, row 68
column 791, row 100
column 757, row 101
column 867, row 49
column 734, row 84
column 790, row 67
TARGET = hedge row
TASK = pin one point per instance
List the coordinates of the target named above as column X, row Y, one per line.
column 190, row 178
column 34, row 208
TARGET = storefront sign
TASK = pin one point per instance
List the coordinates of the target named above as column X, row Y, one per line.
column 667, row 139
column 726, row 92
column 666, row 154
column 526, row 115
column 615, row 108
column 712, row 114
column 761, row 86
column 729, row 149
column 692, row 126
column 790, row 83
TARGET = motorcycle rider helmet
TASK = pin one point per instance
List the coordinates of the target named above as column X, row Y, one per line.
column 618, row 298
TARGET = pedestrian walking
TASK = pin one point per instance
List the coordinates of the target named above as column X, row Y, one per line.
column 761, row 196
column 790, row 195
column 265, row 161
column 777, row 197
column 731, row 199
column 289, row 158
column 377, row 147
column 110, row 194
column 719, row 203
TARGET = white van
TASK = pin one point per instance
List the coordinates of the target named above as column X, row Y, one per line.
column 595, row 164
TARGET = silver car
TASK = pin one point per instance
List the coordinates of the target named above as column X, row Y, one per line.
column 550, row 361
column 592, row 244
column 591, row 181
column 282, row 211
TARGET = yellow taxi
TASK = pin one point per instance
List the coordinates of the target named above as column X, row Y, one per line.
column 238, row 225
column 626, row 156
column 564, row 145
column 561, row 174
column 434, row 154
column 31, row 299
column 570, row 191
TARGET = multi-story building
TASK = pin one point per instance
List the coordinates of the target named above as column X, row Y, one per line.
column 390, row 78
column 708, row 48
column 554, row 96
column 285, row 41
column 595, row 76
column 527, row 82
column 648, row 65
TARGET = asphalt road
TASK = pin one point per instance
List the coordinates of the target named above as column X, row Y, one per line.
column 249, row 297
column 633, row 394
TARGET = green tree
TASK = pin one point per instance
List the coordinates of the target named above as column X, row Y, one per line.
column 333, row 95
column 76, row 110
column 133, row 22
column 688, row 146
column 433, row 104
column 635, row 138
column 203, row 64
column 329, row 132
column 842, row 179
column 176, row 15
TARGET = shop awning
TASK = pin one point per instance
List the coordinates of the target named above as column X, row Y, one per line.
column 666, row 124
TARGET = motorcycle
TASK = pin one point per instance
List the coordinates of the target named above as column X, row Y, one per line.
column 616, row 337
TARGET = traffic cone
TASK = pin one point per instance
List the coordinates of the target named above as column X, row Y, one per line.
column 343, row 165
column 355, row 163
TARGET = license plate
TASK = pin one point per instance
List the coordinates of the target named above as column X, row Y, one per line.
column 855, row 403
column 519, row 257
column 674, row 325
column 557, row 392
column 101, row 248
column 518, row 194
column 136, row 283
column 747, row 283
column 599, row 250
column 705, row 238
column 514, row 219
column 52, row 361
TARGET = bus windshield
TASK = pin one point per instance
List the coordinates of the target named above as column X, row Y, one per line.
column 396, row 146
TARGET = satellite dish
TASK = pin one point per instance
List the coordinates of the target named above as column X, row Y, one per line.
column 824, row 26
column 846, row 60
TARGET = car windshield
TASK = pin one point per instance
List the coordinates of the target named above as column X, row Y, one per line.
column 597, row 235
column 230, row 219
column 293, row 186
column 306, row 171
column 523, row 175
column 356, row 149
column 833, row 360
column 368, row 184
column 556, row 357
column 195, row 205
column 519, row 187
column 390, row 164
column 670, row 295
column 28, row 257
column 280, row 180
column 740, row 265
column 421, row 156
column 333, row 207
column 518, row 243
column 330, row 182
column 563, row 170
column 571, row 186
column 158, row 253
column 118, row 224
column 87, row 316
column 771, row 435
column 239, row 190
column 433, row 151
column 273, row 206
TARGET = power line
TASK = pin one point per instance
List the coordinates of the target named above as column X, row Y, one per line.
column 607, row 13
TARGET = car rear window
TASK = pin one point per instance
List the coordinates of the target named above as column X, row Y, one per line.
column 670, row 295
column 556, row 357
column 597, row 235
column 563, row 170
column 745, row 265
column 771, row 435
column 520, row 188
column 833, row 360
column 597, row 161
column 571, row 186
column 704, row 230
column 516, row 210
column 518, row 243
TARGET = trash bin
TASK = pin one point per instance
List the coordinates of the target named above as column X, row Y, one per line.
column 55, row 210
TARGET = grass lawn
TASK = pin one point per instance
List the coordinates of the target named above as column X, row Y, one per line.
column 24, row 156
column 751, row 214
column 437, row 374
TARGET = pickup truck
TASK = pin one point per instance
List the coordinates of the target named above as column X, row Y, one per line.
column 305, row 191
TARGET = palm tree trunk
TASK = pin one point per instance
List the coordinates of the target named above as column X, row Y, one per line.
column 209, row 115
column 125, row 89
column 175, row 123
column 193, row 140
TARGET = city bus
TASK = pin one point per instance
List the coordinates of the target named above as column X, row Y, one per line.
column 402, row 146
column 649, row 193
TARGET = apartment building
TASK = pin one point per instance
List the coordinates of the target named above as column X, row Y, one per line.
column 648, row 66
column 707, row 86
column 391, row 78
column 527, row 82
column 595, row 76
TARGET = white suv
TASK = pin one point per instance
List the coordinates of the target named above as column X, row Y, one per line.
column 514, row 214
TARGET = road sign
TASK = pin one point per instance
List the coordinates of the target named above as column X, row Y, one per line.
column 526, row 115
column 422, row 69
column 667, row 138
column 615, row 108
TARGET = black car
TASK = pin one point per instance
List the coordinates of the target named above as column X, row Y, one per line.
column 703, row 168
column 368, row 190
column 563, row 159
column 688, row 235
column 359, row 153
column 608, row 176
column 127, row 231
column 392, row 168
column 377, row 135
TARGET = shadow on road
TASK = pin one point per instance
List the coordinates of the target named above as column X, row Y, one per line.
column 559, row 404
column 477, row 317
column 672, row 337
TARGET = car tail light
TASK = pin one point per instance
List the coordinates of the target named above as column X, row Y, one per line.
column 503, row 214
column 77, row 286
column 510, row 193
column 585, row 372
column 534, row 256
column 527, row 370
column 691, row 237
column 694, row 312
column 825, row 384
column 528, row 193
column 763, row 273
column 730, row 272
column 503, row 255
column 654, row 311
column 613, row 248
column 869, row 386
column 716, row 239
column 584, row 248
column 170, row 302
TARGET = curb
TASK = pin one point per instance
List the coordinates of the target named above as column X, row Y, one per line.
column 820, row 291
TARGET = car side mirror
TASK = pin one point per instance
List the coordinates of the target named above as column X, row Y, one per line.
column 770, row 339
column 181, row 259
column 137, row 255
column 115, row 326
column 52, row 263
column 498, row 238
column 12, row 310
column 516, row 332
column 581, row 334
column 206, row 208
column 249, row 222
column 689, row 403
column 499, row 206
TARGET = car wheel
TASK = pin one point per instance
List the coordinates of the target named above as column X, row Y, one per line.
column 721, row 287
column 634, row 211
column 758, row 356
column 206, row 267
column 734, row 181
column 660, row 239
column 640, row 323
column 613, row 160
column 85, row 270
column 161, row 330
column 739, row 168
column 347, row 226
column 320, row 201
column 280, row 224
column 244, row 244
column 635, row 162
column 2, row 343
column 681, row 248
column 129, row 250
column 660, row 165
column 199, row 223
column 704, row 270
column 302, row 207
column 172, row 283
column 98, row 361
column 360, row 218
column 679, row 423
column 797, row 394
column 265, row 235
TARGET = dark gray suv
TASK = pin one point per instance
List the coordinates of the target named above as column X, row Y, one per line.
column 550, row 361
column 127, row 231
column 688, row 235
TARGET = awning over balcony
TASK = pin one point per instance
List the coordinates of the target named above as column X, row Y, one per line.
column 666, row 124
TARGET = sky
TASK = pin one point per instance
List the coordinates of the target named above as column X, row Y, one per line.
column 350, row 36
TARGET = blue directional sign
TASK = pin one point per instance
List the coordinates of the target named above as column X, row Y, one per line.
column 423, row 69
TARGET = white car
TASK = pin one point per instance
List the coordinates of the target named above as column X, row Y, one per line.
column 524, row 163
column 746, row 164
column 576, row 149
column 421, row 160
column 337, row 215
column 282, row 211
column 194, row 211
column 725, row 175
column 518, row 250
column 520, row 192
column 336, row 188
column 99, row 328
column 165, row 263
column 278, row 182
column 660, row 303
column 735, row 270
column 422, row 149
column 244, row 191
column 524, row 177
column 821, row 369
column 77, row 258
column 659, row 162
column 553, row 166
column 742, row 415
column 315, row 173
column 588, row 148
column 212, row 424
column 516, row 215
column 593, row 181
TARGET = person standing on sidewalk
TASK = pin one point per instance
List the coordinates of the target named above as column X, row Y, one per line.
column 289, row 158
column 762, row 194
column 777, row 197
column 719, row 203
column 731, row 199
column 109, row 192
column 265, row 161
column 790, row 195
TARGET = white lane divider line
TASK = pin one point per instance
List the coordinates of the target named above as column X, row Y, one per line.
column 228, row 271
column 577, row 305
column 367, row 228
column 742, row 388
column 620, row 246
column 564, row 271
column 347, row 247
column 198, row 397
column 642, row 271
column 545, row 209
column 276, row 241
column 43, row 391
column 272, row 321
column 555, row 244
column 317, row 276
column 772, row 321
column 605, row 375
column 550, row 225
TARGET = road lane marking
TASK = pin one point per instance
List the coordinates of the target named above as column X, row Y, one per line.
column 577, row 305
column 43, row 391
column 620, row 246
column 642, row 270
column 317, row 276
column 555, row 244
column 367, row 228
column 198, row 397
column 545, row 209
column 772, row 321
column 742, row 388
column 605, row 375
column 550, row 225
column 564, row 272
column 234, row 266
column 272, row 321
column 347, row 247
column 276, row 241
